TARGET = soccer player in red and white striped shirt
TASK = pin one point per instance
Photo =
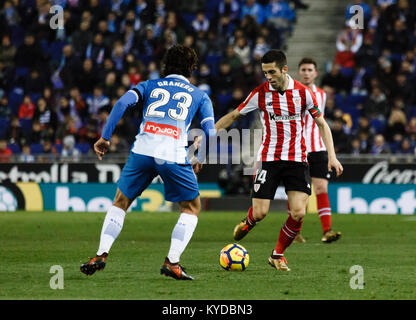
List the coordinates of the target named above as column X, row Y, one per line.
column 282, row 102
column 317, row 154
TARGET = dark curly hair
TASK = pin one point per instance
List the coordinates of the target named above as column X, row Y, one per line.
column 276, row 56
column 179, row 60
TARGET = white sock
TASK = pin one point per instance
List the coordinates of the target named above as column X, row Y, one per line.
column 113, row 223
column 181, row 235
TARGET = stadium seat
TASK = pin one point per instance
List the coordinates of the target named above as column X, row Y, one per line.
column 35, row 97
column 211, row 8
column 14, row 147
column 83, row 147
column 55, row 50
column 377, row 124
column 4, row 125
column 354, row 100
column 21, row 72
column 36, row 148
column 15, row 99
column 58, row 147
column 26, row 124
column 213, row 62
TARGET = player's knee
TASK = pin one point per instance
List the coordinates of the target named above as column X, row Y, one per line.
column 320, row 188
column 121, row 201
column 298, row 213
column 260, row 213
column 191, row 207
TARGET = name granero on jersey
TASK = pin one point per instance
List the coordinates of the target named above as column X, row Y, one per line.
column 175, row 84
column 275, row 117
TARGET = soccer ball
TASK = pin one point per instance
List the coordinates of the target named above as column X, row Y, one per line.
column 7, row 200
column 234, row 257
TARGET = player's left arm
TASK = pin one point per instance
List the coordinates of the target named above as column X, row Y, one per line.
column 325, row 131
column 129, row 99
column 206, row 118
column 326, row 135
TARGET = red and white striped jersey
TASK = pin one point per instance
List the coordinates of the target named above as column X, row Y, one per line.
column 314, row 142
column 282, row 116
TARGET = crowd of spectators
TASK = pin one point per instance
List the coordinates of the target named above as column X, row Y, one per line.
column 58, row 83
column 371, row 83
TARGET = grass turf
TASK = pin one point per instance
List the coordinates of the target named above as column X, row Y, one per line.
column 32, row 242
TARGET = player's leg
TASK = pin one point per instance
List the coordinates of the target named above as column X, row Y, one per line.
column 136, row 175
column 320, row 186
column 265, row 183
column 256, row 213
column 319, row 173
column 299, row 238
column 297, row 185
column 298, row 201
column 180, row 186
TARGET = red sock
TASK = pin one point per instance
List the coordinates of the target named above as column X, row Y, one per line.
column 288, row 232
column 324, row 211
column 250, row 218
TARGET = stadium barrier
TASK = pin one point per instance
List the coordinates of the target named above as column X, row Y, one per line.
column 381, row 186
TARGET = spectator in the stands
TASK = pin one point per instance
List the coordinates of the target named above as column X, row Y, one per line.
column 30, row 48
column 396, row 125
column 35, row 82
column 97, row 101
column 70, row 68
column 69, row 151
column 47, row 118
column 254, row 9
column 229, row 8
column 5, row 152
column 87, row 78
column 5, row 110
column 406, row 147
column 335, row 79
column 200, row 23
column 48, row 153
column 7, row 52
column 279, row 14
column 243, row 51
column 77, row 103
column 380, row 146
column 118, row 144
column 365, row 142
column 15, row 133
column 377, row 105
column 348, row 43
column 341, row 139
column 355, row 146
column 26, row 109
column 26, row 155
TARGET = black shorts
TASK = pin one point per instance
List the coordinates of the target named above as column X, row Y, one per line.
column 318, row 165
column 294, row 176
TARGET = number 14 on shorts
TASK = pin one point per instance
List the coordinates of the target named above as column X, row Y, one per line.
column 260, row 176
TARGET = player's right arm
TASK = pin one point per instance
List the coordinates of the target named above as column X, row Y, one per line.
column 250, row 104
column 227, row 120
column 129, row 99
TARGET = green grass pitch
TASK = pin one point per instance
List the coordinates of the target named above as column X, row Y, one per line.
column 383, row 245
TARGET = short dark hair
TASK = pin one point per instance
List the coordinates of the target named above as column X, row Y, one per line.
column 179, row 60
column 276, row 56
column 308, row 61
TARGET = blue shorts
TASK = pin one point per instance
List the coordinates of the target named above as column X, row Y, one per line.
column 139, row 171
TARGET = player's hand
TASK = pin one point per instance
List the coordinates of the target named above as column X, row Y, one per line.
column 334, row 163
column 197, row 142
column 101, row 147
column 197, row 167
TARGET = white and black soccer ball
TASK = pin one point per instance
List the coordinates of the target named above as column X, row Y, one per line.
column 8, row 201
